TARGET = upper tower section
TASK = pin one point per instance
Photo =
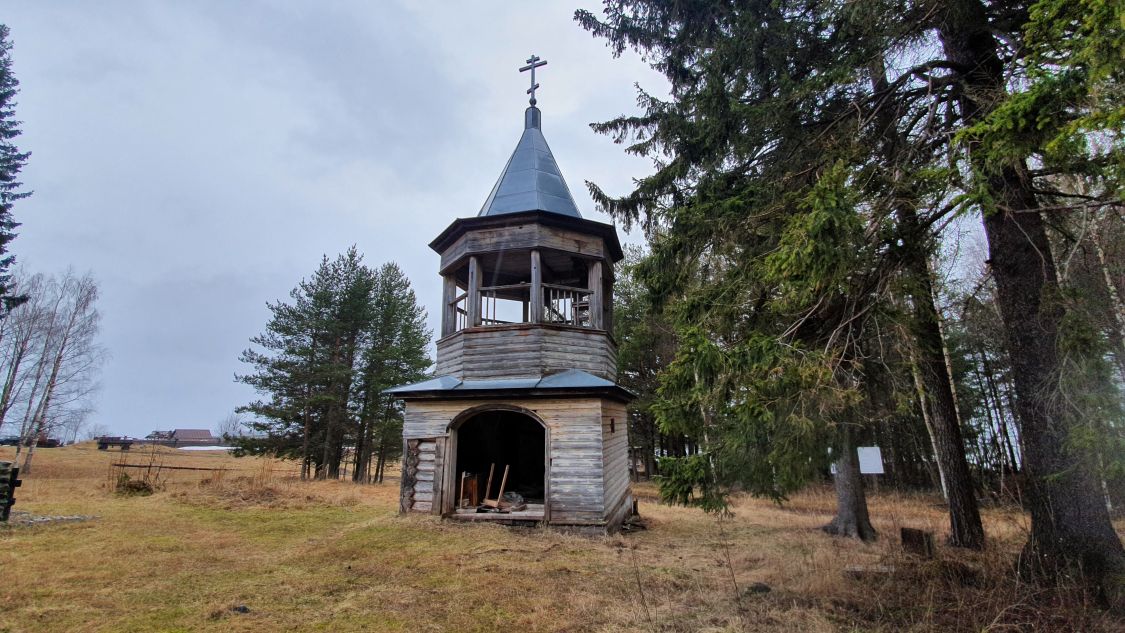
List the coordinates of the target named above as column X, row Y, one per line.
column 528, row 282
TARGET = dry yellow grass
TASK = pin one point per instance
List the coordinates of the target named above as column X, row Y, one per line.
column 336, row 556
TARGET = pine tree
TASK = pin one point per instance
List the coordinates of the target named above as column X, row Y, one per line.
column 347, row 333
column 395, row 354
column 11, row 163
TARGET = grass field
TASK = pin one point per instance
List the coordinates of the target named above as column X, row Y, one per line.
column 333, row 556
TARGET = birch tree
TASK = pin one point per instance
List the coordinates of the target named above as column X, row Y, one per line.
column 50, row 357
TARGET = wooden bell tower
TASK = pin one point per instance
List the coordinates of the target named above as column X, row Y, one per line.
column 525, row 387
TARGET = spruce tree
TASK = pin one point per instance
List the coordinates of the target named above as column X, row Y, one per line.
column 11, row 163
column 775, row 172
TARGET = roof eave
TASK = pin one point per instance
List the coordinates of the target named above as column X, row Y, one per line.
column 615, row 392
column 460, row 226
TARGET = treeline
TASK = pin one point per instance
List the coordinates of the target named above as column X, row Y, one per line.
column 50, row 360
column 346, row 334
column 810, row 160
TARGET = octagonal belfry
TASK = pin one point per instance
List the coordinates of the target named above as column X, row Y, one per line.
column 524, row 399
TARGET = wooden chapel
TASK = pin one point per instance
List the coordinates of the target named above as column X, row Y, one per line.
column 525, row 395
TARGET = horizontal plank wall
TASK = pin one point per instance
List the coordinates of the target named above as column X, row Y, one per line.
column 576, row 485
column 525, row 351
column 450, row 355
column 523, row 237
column 615, row 459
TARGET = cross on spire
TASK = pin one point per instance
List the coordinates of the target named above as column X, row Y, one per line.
column 533, row 62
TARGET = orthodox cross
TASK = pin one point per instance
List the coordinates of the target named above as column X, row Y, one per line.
column 533, row 63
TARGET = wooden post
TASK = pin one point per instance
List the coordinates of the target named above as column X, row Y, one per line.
column 473, row 306
column 595, row 298
column 410, row 454
column 607, row 304
column 918, row 542
column 5, row 489
column 536, row 288
column 448, row 309
column 438, row 499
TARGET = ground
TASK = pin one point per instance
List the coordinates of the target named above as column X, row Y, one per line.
column 250, row 548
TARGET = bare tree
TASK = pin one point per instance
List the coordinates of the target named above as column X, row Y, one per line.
column 94, row 431
column 20, row 332
column 51, row 357
column 234, row 425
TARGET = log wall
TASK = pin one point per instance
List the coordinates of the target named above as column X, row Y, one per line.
column 418, row 470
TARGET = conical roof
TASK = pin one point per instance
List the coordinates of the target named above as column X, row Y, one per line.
column 531, row 181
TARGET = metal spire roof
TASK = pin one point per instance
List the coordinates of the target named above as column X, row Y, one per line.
column 531, row 181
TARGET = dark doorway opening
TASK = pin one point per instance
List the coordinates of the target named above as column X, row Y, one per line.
column 504, row 438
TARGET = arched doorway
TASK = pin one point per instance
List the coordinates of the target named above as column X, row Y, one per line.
column 499, row 438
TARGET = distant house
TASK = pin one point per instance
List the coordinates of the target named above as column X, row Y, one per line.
column 192, row 435
column 183, row 437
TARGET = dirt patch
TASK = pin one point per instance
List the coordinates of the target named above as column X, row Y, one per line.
column 26, row 519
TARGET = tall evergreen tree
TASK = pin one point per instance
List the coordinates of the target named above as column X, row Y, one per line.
column 11, row 163
column 325, row 357
column 770, row 99
column 395, row 354
column 645, row 345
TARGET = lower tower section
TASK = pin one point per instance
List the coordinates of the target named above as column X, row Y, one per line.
column 563, row 455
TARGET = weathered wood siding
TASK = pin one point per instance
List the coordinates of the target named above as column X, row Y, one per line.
column 615, row 461
column 576, row 348
column 576, row 485
column 450, row 355
column 525, row 351
column 523, row 237
column 576, row 495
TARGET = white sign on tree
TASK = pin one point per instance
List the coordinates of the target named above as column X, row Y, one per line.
column 870, row 460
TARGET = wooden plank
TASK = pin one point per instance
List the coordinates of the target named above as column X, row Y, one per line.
column 615, row 471
column 474, row 292
column 536, row 300
column 607, row 325
column 525, row 351
column 448, row 309
column 439, row 473
column 525, row 236
column 595, row 283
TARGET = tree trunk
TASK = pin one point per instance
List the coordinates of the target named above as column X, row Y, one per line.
column 993, row 394
column 382, row 463
column 305, row 440
column 965, row 529
column 1116, row 335
column 851, row 503
column 920, row 390
column 944, row 424
column 1070, row 527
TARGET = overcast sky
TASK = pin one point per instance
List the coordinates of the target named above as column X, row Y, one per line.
column 198, row 158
